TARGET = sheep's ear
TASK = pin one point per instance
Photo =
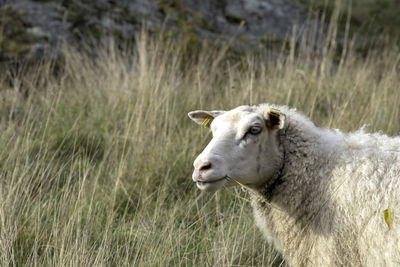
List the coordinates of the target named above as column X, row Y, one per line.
column 275, row 119
column 204, row 117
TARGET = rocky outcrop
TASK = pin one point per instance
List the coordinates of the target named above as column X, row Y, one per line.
column 37, row 28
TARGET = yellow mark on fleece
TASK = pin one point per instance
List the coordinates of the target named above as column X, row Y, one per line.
column 387, row 215
column 351, row 146
column 206, row 121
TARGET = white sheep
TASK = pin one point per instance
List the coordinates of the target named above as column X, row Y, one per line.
column 318, row 195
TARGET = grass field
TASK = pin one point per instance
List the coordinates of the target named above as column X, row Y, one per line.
column 96, row 158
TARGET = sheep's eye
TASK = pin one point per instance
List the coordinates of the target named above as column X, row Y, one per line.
column 255, row 130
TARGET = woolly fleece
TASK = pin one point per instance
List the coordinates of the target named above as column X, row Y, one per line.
column 328, row 208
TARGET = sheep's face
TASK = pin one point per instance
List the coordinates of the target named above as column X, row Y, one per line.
column 244, row 147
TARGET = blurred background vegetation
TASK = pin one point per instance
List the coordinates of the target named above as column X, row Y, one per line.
column 37, row 29
column 369, row 18
column 97, row 149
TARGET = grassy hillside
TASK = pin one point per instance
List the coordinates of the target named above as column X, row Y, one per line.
column 96, row 158
column 374, row 21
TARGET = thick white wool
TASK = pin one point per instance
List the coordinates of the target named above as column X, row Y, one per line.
column 328, row 208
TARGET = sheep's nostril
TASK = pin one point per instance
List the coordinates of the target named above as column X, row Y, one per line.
column 205, row 166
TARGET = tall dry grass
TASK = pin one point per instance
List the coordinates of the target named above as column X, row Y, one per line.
column 95, row 163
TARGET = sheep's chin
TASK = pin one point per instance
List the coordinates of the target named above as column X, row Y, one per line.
column 211, row 186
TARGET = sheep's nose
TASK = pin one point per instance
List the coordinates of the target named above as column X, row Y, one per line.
column 205, row 166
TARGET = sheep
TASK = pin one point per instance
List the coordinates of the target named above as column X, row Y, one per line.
column 320, row 196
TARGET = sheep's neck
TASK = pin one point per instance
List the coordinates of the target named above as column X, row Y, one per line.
column 295, row 203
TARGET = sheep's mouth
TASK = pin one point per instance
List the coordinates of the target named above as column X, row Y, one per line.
column 211, row 185
column 203, row 182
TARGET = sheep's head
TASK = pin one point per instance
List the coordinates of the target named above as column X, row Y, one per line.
column 244, row 147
